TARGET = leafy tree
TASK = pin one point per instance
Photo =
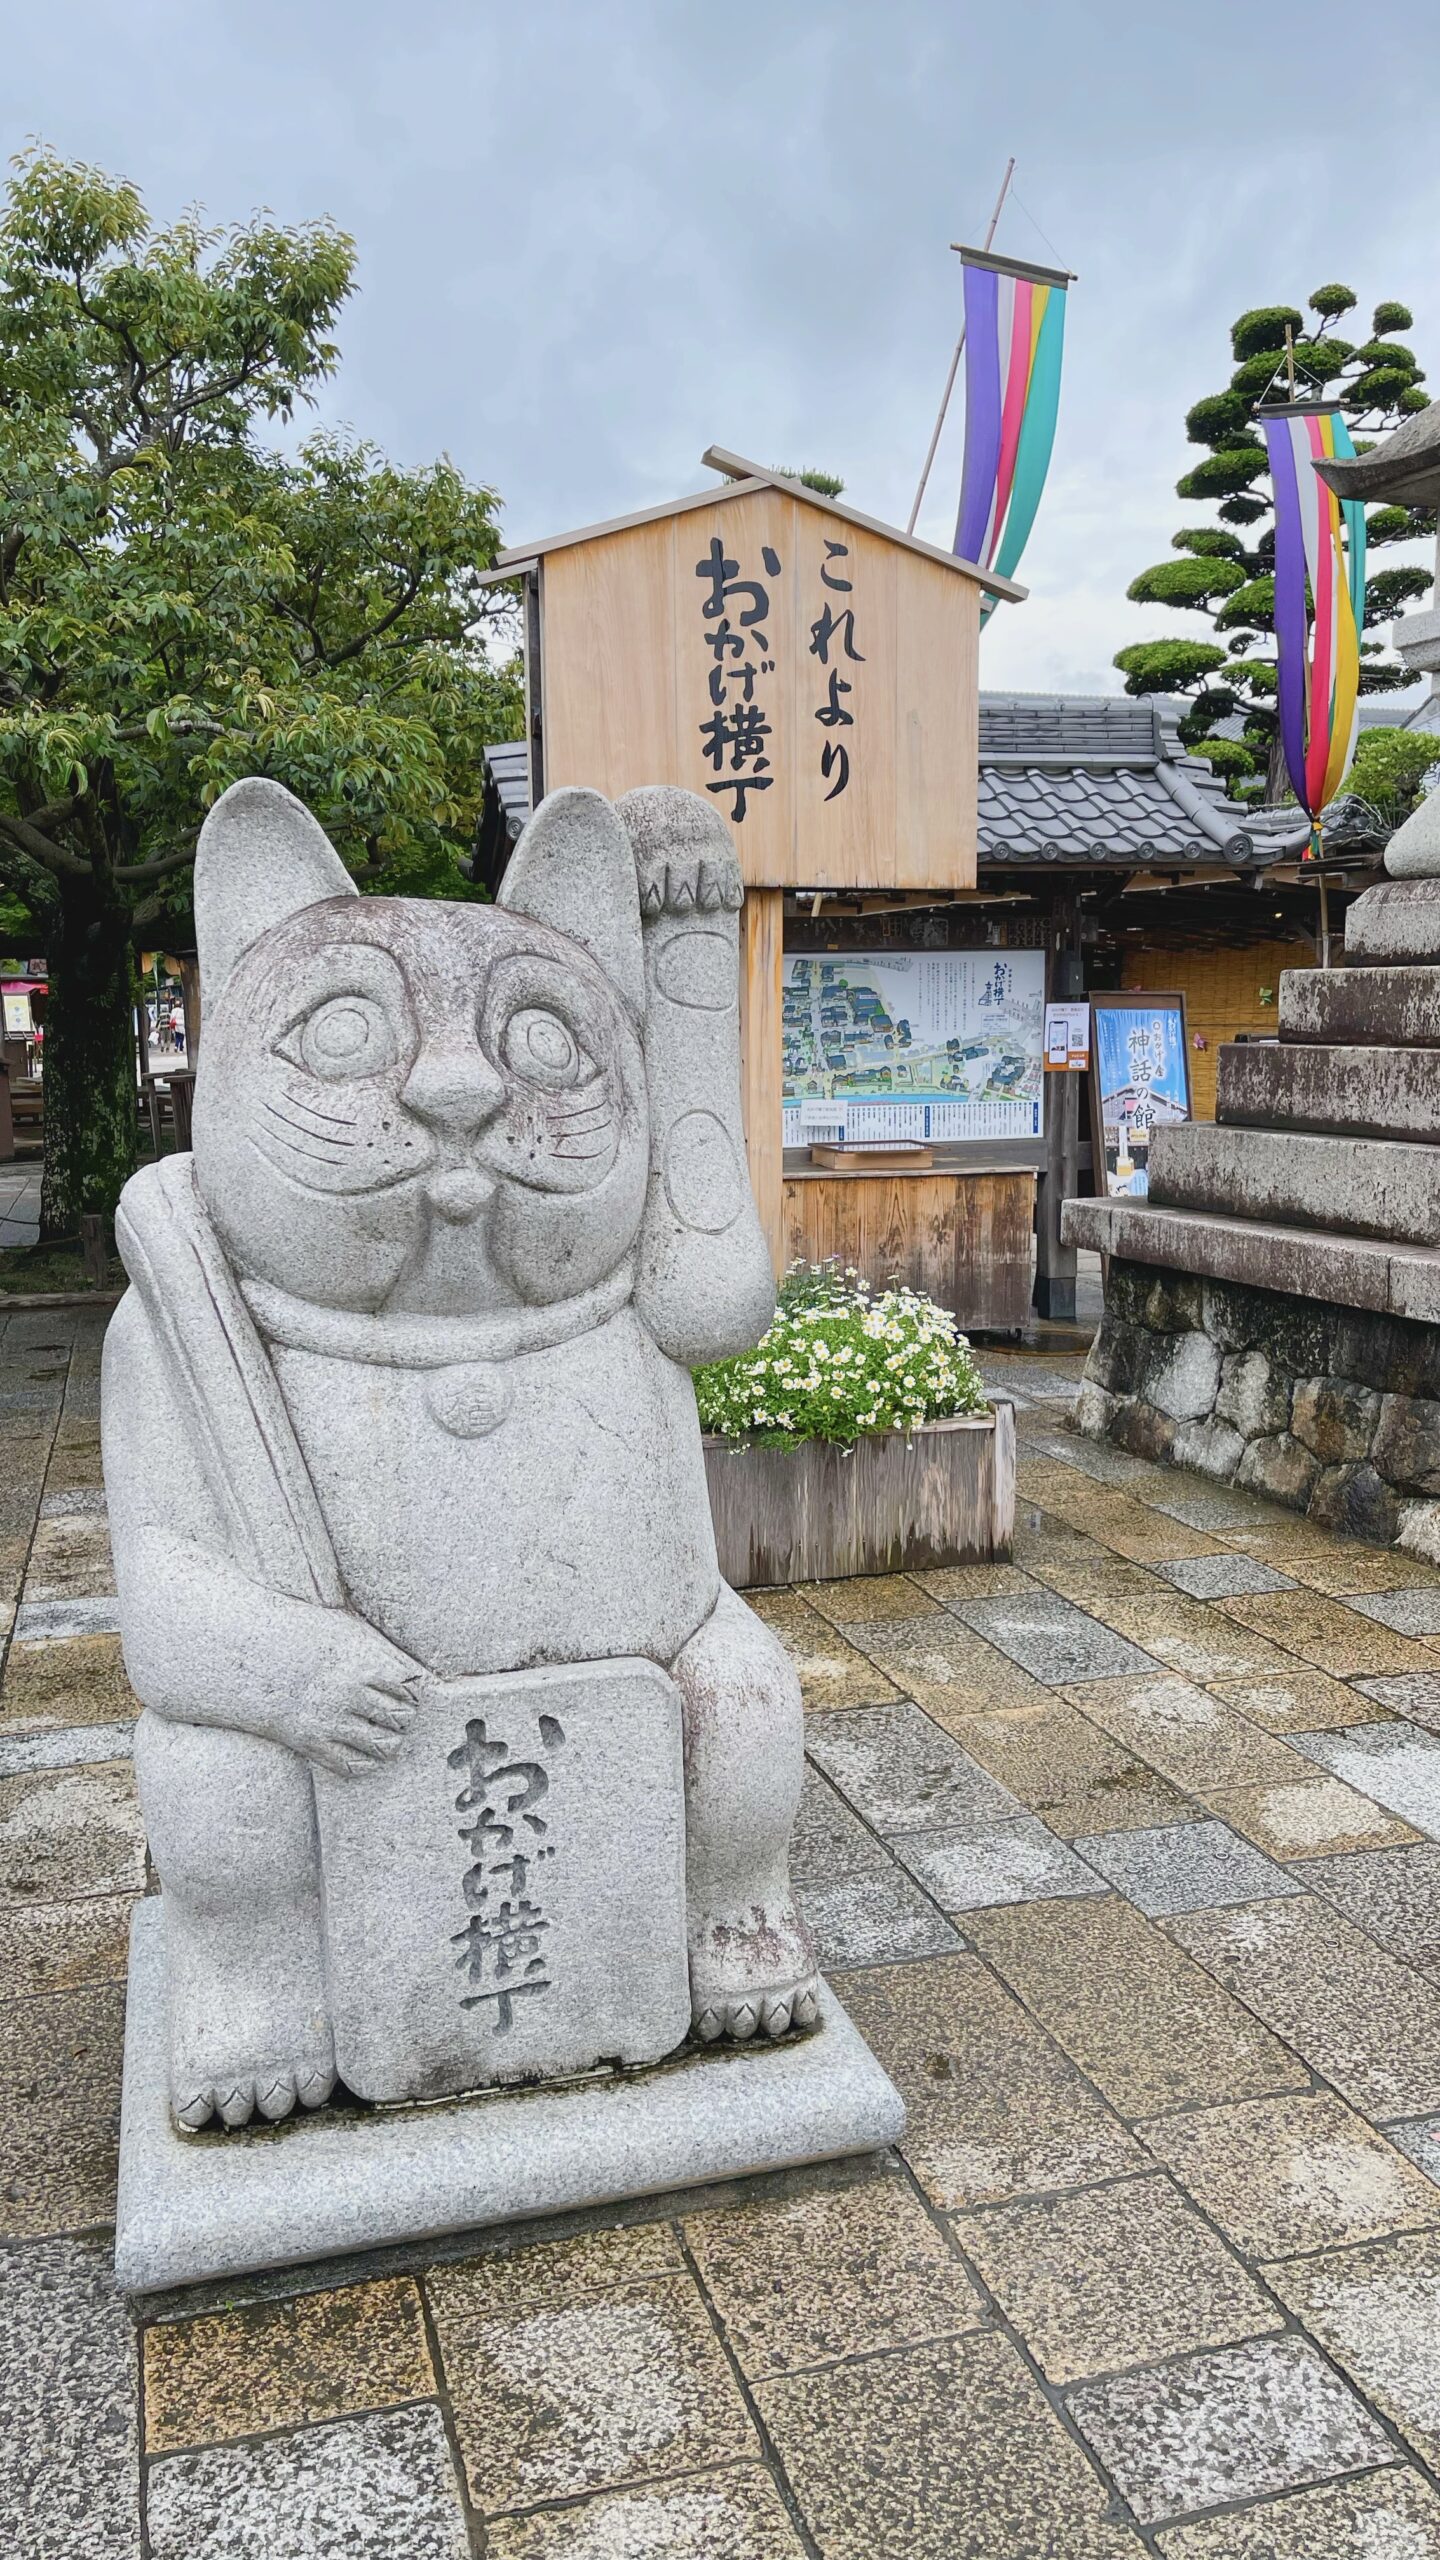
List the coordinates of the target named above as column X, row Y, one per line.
column 1390, row 766
column 1228, row 576
column 180, row 606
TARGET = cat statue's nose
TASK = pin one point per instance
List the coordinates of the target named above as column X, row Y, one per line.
column 454, row 1090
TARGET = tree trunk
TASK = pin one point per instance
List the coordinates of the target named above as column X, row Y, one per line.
column 89, row 1057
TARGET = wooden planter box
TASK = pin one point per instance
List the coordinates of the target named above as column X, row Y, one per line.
column 816, row 1512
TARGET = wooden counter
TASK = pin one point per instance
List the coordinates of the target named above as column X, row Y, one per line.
column 961, row 1234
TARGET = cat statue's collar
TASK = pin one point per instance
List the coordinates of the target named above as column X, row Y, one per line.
column 398, row 1341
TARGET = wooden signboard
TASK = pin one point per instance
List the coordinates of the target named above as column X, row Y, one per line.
column 810, row 672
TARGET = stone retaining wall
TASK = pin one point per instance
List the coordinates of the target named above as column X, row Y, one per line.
column 1330, row 1409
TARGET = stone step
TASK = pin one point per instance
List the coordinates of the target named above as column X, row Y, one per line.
column 1351, row 1186
column 1399, row 1007
column 1373, row 1093
column 1351, row 1271
column 1397, row 921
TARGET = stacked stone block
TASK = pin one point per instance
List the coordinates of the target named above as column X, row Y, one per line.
column 1273, row 1308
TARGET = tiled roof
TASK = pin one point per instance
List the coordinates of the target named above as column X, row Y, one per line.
column 510, row 771
column 1076, row 779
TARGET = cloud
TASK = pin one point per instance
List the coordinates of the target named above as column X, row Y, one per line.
column 594, row 240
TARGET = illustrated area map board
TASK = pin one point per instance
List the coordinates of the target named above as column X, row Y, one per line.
column 930, row 1045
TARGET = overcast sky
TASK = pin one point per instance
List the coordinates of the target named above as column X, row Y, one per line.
column 598, row 235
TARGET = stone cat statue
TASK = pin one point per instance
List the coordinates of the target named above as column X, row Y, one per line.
column 459, row 1763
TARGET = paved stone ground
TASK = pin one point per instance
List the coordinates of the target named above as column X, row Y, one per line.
column 1127, row 1860
column 19, row 1204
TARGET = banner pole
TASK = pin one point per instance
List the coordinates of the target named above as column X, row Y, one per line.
column 959, row 351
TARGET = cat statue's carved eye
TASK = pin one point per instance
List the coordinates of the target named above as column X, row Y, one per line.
column 539, row 1046
column 348, row 1035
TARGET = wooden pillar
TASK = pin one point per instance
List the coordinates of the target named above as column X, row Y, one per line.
column 761, row 974
column 1055, row 1263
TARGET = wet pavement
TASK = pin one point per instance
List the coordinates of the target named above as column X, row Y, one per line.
column 1125, row 1857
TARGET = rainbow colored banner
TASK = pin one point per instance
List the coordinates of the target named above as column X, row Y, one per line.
column 1319, row 602
column 1014, row 338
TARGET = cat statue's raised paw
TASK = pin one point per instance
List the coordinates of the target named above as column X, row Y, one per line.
column 460, row 1765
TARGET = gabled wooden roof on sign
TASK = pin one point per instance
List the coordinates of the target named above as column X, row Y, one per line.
column 741, row 479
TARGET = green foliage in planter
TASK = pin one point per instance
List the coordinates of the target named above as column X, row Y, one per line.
column 838, row 1363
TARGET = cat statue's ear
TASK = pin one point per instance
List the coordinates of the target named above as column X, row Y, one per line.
column 573, row 869
column 261, row 858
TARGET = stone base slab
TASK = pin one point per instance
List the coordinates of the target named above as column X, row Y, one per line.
column 1360, row 1092
column 1396, row 922
column 1354, row 1186
column 194, row 2207
column 1394, row 1008
column 1351, row 1271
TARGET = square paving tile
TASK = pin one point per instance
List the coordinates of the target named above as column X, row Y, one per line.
column 1387, row 2515
column 68, row 1832
column 1294, row 1701
column 1116, row 1520
column 1192, row 1637
column 1285, row 2174
column 598, row 2259
column 1052, row 1639
column 1153, row 2031
column 553, row 2398
column 1392, row 1894
column 1309, row 1818
column 285, row 2364
column 804, row 2280
column 1419, row 2139
column 901, row 1771
column 1328, row 1633
column 380, row 2488
column 71, row 1557
column 1391, row 1763
column 831, row 1672
column 995, row 2108
column 1063, row 1767
column 946, row 1667
column 1222, row 1508
column 1374, row 2310
column 829, row 1838
column 1123, row 2275
column 59, row 1946
column 868, row 1598
column 1187, row 1866
column 1365, row 2023
column 1192, row 1738
column 81, row 1681
column 1350, row 1568
column 875, row 1919
column 952, row 1583
column 971, row 1868
column 946, row 2452
column 1415, row 1695
column 1411, row 1613
column 59, row 2111
column 1081, row 1569
column 1223, row 1576
column 713, row 2515
column 1240, row 2423
column 69, row 2406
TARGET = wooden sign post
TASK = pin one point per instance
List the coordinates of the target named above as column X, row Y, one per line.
column 811, row 671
